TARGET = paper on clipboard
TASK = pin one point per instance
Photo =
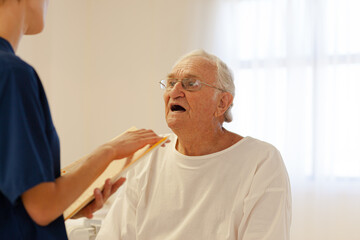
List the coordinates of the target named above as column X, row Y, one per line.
column 114, row 171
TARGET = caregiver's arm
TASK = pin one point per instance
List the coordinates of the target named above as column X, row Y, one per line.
column 47, row 201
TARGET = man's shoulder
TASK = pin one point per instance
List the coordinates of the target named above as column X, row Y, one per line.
column 254, row 152
column 266, row 156
column 258, row 145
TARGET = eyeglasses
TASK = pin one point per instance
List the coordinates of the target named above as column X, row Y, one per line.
column 189, row 84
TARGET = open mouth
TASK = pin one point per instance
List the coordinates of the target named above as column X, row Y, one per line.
column 177, row 108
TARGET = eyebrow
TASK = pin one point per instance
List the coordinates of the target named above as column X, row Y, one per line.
column 171, row 75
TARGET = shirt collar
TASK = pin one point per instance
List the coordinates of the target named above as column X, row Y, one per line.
column 6, row 46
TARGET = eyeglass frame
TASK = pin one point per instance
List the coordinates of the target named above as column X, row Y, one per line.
column 163, row 86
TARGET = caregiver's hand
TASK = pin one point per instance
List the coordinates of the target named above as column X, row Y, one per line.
column 100, row 198
column 127, row 143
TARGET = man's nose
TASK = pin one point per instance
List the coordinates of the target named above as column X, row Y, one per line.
column 177, row 90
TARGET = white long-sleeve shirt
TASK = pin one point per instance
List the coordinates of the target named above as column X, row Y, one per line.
column 242, row 192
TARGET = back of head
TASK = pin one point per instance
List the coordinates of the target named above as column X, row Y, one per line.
column 224, row 75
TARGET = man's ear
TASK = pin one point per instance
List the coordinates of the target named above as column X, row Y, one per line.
column 224, row 103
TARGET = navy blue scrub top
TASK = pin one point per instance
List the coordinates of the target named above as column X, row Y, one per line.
column 29, row 147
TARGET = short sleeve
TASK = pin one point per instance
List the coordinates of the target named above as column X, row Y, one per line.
column 26, row 137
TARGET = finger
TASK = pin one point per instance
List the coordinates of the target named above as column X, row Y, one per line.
column 143, row 138
column 151, row 140
column 147, row 133
column 117, row 184
column 89, row 216
column 166, row 142
column 147, row 140
column 143, row 132
column 99, row 201
column 107, row 189
column 88, row 210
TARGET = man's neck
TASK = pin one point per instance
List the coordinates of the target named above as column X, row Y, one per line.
column 197, row 143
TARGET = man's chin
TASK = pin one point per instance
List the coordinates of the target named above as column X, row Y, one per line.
column 174, row 124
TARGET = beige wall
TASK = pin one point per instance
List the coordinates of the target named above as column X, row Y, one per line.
column 100, row 62
column 59, row 55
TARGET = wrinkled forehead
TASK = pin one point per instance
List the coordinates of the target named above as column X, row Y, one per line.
column 194, row 67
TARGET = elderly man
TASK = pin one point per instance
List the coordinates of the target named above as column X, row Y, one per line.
column 208, row 183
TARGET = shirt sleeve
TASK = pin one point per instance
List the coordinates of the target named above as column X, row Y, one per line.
column 120, row 221
column 25, row 153
column 267, row 208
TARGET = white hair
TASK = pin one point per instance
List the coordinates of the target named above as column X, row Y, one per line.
column 224, row 76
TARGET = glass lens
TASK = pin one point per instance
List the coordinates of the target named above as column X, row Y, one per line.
column 191, row 84
column 170, row 83
column 163, row 84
